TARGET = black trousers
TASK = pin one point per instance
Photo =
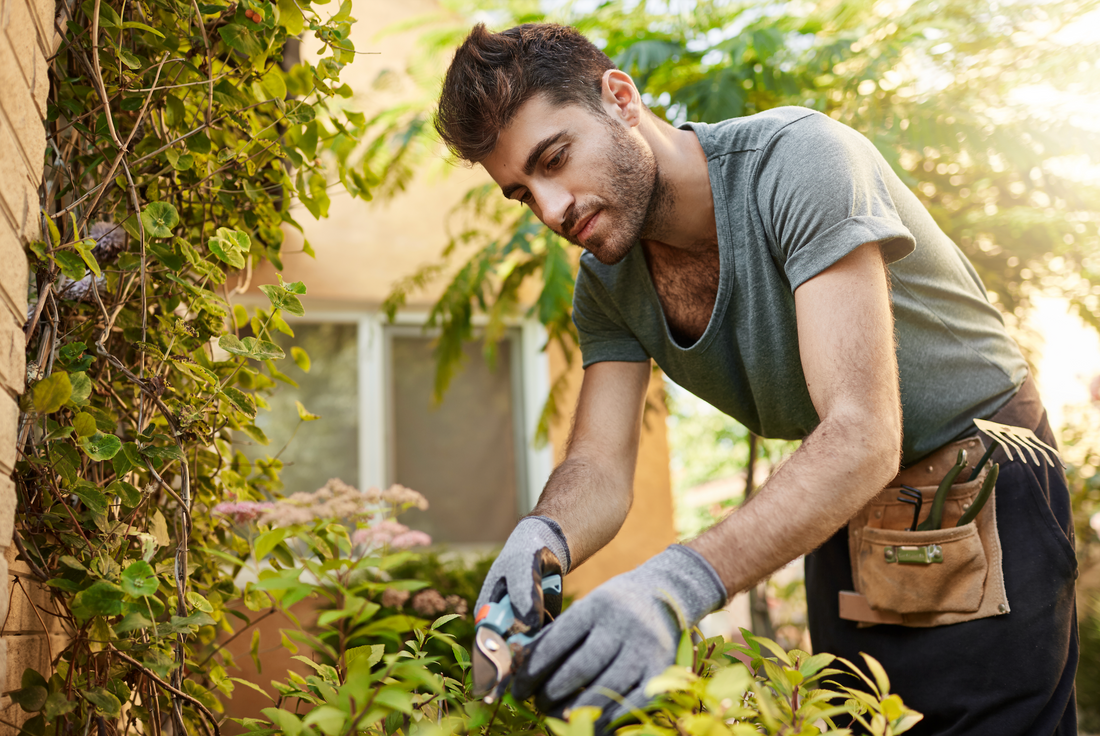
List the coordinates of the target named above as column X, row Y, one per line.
column 1004, row 675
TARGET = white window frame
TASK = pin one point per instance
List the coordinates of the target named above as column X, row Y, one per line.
column 375, row 397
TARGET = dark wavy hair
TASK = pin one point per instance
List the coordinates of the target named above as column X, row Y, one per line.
column 493, row 74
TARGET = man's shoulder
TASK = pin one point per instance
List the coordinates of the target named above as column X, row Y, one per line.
column 752, row 132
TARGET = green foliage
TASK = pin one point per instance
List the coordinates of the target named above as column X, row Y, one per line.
column 982, row 110
column 380, row 664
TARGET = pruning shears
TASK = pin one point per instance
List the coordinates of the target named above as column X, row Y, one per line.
column 497, row 647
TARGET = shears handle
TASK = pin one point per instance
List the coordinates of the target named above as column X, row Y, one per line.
column 499, row 616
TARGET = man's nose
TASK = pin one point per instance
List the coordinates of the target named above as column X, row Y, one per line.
column 554, row 203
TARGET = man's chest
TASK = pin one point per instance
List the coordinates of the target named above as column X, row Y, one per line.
column 687, row 287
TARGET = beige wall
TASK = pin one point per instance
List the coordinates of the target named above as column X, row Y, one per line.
column 363, row 248
column 26, row 40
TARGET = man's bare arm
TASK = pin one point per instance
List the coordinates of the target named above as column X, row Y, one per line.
column 846, row 340
column 590, row 493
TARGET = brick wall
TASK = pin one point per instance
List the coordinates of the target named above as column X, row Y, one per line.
column 26, row 41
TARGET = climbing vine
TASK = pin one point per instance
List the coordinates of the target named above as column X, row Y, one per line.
column 179, row 135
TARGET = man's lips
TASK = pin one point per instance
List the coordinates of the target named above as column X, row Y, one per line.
column 585, row 227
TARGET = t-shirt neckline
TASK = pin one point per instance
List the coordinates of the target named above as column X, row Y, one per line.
column 725, row 256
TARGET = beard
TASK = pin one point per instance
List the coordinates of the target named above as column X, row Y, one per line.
column 636, row 199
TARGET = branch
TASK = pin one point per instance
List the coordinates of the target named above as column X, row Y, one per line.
column 123, row 148
column 38, row 573
column 175, row 691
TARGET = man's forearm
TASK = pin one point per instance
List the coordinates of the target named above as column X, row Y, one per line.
column 588, row 503
column 834, row 474
column 590, row 493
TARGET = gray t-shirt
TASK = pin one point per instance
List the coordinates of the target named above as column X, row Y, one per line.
column 794, row 192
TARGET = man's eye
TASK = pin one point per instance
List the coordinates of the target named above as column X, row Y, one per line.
column 556, row 161
column 525, row 198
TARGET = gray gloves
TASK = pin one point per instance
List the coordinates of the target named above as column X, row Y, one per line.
column 620, row 635
column 535, row 549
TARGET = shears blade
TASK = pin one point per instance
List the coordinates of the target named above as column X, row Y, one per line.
column 492, row 664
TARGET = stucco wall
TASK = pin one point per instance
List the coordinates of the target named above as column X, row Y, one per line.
column 26, row 41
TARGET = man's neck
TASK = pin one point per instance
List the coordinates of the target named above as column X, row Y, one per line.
column 682, row 213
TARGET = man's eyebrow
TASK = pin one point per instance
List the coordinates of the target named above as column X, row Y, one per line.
column 533, row 159
column 539, row 149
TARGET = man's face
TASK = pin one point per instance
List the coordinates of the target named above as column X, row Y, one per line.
column 585, row 176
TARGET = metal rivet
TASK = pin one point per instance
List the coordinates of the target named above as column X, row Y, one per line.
column 966, row 506
column 491, row 645
column 1003, row 608
column 931, row 468
column 878, row 514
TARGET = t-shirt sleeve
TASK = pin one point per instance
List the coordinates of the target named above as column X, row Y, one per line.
column 822, row 190
column 603, row 335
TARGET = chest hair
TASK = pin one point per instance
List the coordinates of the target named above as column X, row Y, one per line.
column 687, row 286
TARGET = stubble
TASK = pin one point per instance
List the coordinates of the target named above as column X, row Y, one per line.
column 637, row 203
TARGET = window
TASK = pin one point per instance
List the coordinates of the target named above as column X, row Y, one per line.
column 472, row 455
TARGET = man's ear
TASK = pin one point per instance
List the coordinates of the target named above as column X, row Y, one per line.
column 620, row 97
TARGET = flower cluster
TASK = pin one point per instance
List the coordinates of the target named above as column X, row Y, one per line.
column 392, row 533
column 339, row 500
column 403, row 497
column 429, row 602
column 243, row 511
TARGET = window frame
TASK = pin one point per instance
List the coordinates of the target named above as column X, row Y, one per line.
column 530, row 388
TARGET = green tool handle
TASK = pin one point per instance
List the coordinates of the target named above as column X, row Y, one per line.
column 982, row 497
column 935, row 516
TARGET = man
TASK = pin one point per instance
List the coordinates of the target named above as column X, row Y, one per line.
column 776, row 267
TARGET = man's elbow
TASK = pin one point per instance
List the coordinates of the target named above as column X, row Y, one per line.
column 871, row 443
column 880, row 450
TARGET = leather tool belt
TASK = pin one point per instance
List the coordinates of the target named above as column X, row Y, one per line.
column 942, row 576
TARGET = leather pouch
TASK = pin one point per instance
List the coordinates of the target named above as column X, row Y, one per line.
column 926, row 578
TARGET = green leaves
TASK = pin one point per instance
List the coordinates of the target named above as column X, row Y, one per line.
column 230, row 246
column 250, row 347
column 84, row 424
column 179, row 162
column 31, row 697
column 104, row 701
column 101, row 446
column 281, row 298
column 139, row 580
column 158, row 219
column 100, row 599
column 84, row 249
column 51, row 393
column 304, row 414
column 238, row 38
column 71, row 264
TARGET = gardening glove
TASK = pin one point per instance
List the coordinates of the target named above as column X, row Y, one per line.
column 535, row 549
column 619, row 636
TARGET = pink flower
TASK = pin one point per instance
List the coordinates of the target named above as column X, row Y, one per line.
column 243, row 511
column 394, row 598
column 429, row 602
column 378, row 534
column 399, row 495
column 457, row 604
column 410, row 539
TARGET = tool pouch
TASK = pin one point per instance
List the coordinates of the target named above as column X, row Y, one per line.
column 926, row 578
